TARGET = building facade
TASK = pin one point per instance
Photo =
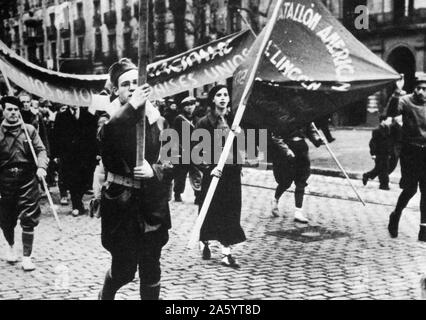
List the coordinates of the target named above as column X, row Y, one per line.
column 86, row 36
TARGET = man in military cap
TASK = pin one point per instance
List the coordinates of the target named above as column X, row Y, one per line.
column 134, row 204
column 18, row 179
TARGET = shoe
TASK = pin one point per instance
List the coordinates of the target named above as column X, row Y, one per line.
column 422, row 233
column 27, row 264
column 11, row 256
column 206, row 252
column 75, row 212
column 331, row 140
column 299, row 217
column 393, row 224
column 275, row 211
column 384, row 188
column 178, row 198
column 64, row 201
column 229, row 261
column 364, row 179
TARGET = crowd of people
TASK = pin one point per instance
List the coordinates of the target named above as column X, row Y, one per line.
column 86, row 152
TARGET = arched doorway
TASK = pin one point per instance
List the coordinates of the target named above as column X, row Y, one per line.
column 403, row 61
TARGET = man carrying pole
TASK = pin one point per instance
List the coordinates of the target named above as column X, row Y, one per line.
column 18, row 179
column 134, row 204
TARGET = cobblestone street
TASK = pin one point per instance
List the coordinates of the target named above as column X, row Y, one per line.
column 345, row 253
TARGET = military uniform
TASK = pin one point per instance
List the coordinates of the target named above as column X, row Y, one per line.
column 135, row 213
column 18, row 183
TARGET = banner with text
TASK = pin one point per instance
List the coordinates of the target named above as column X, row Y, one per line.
column 215, row 61
column 311, row 67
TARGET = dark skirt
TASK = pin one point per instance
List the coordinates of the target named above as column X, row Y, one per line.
column 222, row 222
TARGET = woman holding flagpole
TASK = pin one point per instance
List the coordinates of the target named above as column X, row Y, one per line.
column 222, row 222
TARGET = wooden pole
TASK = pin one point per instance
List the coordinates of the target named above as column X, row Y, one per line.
column 46, row 188
column 338, row 164
column 142, row 64
column 195, row 235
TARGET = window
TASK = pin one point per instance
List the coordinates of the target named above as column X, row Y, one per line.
column 80, row 46
column 127, row 39
column 98, row 42
column 52, row 19
column 40, row 53
column 97, row 7
column 80, row 9
column 53, row 52
column 112, row 46
column 66, row 52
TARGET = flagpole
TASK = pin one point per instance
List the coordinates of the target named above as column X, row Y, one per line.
column 338, row 164
column 316, row 129
column 142, row 63
column 195, row 235
column 46, row 189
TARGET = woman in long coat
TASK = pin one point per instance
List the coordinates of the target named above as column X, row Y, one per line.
column 222, row 222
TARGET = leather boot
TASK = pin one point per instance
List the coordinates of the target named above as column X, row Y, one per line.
column 393, row 224
column 150, row 293
column 109, row 290
column 422, row 233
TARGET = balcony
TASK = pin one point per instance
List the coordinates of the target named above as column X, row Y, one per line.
column 97, row 20
column 126, row 14
column 110, row 19
column 33, row 22
column 79, row 27
column 65, row 31
column 52, row 33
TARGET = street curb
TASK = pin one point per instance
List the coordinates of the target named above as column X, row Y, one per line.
column 329, row 172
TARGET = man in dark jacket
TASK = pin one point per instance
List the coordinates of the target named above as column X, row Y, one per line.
column 134, row 205
column 18, row 179
column 184, row 126
column 381, row 150
column 291, row 163
column 75, row 146
column 412, row 107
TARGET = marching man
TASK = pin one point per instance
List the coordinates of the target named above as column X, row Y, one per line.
column 134, row 204
column 18, row 179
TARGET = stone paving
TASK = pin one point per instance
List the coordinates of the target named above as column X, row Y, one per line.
column 357, row 261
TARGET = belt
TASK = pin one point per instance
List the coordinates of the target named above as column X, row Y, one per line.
column 124, row 181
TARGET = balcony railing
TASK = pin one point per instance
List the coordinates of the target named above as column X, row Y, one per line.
column 97, row 20
column 32, row 39
column 388, row 18
column 110, row 19
column 79, row 26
